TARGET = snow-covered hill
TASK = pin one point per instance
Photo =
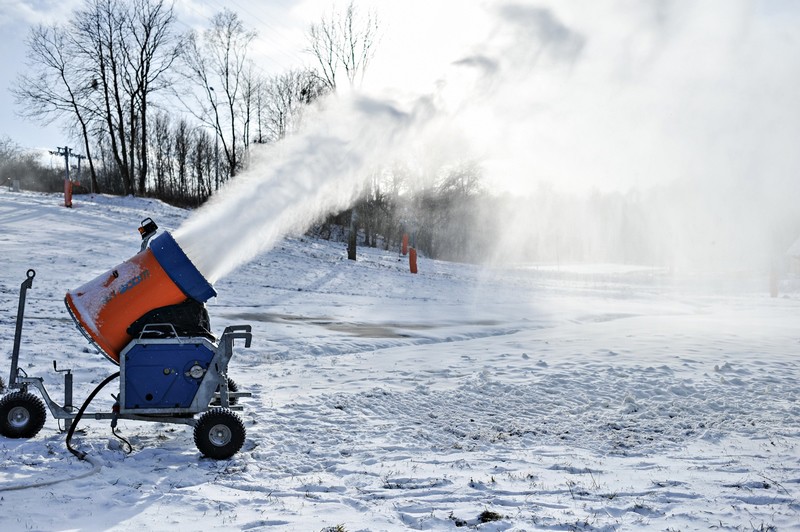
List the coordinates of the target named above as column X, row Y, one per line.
column 611, row 398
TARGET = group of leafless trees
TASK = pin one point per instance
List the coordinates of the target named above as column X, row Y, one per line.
column 173, row 114
column 22, row 167
column 158, row 111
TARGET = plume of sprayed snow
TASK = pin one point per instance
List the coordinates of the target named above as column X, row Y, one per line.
column 289, row 186
column 671, row 122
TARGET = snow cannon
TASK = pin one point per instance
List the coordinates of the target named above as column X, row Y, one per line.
column 148, row 316
column 160, row 276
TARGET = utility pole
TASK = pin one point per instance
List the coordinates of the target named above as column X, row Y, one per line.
column 66, row 152
column 80, row 157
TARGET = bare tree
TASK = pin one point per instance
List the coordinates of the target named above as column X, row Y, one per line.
column 182, row 147
column 251, row 85
column 53, row 88
column 461, row 180
column 218, row 63
column 284, row 98
column 324, row 42
column 358, row 38
column 162, row 150
column 98, row 33
column 150, row 52
column 344, row 41
column 201, row 159
column 260, row 96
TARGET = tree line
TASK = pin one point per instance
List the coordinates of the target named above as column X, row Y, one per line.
column 22, row 167
column 173, row 115
column 157, row 111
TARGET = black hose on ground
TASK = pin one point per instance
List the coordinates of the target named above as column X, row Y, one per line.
column 80, row 454
column 96, row 464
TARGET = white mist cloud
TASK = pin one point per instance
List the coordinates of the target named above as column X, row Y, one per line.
column 674, row 122
column 290, row 185
column 610, row 94
column 688, row 107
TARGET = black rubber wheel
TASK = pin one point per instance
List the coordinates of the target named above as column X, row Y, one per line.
column 232, row 387
column 22, row 415
column 219, row 434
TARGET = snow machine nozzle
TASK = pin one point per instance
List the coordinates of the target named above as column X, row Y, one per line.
column 148, row 228
column 158, row 276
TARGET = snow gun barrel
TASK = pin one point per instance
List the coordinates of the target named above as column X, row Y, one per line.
column 158, row 276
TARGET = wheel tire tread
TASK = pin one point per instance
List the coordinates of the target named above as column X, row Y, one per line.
column 213, row 417
column 36, row 409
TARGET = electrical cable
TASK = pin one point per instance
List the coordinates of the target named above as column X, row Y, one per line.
column 122, row 439
column 96, row 466
column 96, row 463
column 80, row 454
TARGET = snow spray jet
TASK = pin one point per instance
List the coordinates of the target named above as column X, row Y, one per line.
column 289, row 186
column 655, row 137
column 323, row 168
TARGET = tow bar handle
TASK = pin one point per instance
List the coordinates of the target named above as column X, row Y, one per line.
column 23, row 291
column 241, row 332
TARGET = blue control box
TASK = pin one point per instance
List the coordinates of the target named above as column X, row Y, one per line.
column 159, row 375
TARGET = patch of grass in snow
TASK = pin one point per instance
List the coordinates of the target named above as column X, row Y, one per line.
column 335, row 528
column 579, row 490
column 487, row 516
column 457, row 520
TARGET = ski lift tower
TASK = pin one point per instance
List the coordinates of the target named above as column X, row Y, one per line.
column 67, row 152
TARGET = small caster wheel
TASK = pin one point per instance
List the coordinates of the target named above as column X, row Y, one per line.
column 22, row 415
column 219, row 434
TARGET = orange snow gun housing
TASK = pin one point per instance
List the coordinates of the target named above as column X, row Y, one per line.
column 159, row 276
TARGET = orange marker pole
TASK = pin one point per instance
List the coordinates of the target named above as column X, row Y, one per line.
column 67, row 193
column 412, row 260
column 404, row 247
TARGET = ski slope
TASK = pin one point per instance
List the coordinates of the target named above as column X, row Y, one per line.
column 529, row 397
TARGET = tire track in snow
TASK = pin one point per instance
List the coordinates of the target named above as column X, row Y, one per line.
column 416, row 447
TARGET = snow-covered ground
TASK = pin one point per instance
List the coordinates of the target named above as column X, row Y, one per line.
column 529, row 397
